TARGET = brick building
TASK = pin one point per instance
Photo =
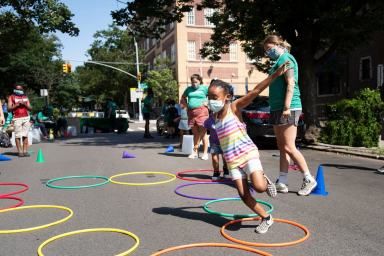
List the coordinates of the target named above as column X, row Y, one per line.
column 343, row 77
column 181, row 44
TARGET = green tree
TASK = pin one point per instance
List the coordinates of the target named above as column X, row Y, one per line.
column 114, row 47
column 27, row 50
column 317, row 29
column 163, row 83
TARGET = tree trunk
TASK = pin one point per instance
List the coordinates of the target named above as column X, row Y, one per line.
column 308, row 89
column 126, row 106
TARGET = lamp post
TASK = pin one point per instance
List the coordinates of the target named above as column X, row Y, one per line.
column 137, row 71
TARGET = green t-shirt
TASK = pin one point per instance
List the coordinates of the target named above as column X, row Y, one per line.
column 41, row 116
column 147, row 104
column 112, row 105
column 278, row 88
column 196, row 97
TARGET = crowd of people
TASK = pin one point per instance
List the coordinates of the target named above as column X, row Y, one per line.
column 16, row 119
column 211, row 109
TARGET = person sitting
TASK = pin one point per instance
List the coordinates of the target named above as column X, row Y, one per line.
column 43, row 122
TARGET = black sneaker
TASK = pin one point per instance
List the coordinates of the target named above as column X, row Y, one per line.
column 216, row 176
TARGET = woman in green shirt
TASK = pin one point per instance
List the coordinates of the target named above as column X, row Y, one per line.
column 195, row 96
column 285, row 102
column 147, row 109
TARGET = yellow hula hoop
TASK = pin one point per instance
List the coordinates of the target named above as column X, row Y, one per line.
column 136, row 238
column 12, row 231
column 173, row 177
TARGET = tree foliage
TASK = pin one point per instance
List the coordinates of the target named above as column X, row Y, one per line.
column 355, row 122
column 115, row 47
column 317, row 29
column 163, row 83
column 28, row 52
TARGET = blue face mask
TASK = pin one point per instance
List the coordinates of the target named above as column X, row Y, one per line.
column 18, row 92
column 273, row 53
column 215, row 105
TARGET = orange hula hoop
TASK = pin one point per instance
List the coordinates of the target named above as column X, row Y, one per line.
column 285, row 244
column 233, row 246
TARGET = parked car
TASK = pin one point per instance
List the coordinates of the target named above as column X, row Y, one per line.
column 256, row 116
column 121, row 113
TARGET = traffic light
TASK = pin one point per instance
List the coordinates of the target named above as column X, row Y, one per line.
column 65, row 68
column 138, row 76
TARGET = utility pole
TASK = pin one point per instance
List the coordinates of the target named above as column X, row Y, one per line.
column 138, row 78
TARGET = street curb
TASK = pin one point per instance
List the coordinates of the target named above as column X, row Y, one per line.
column 344, row 150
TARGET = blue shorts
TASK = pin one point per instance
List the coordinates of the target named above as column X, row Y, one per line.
column 216, row 149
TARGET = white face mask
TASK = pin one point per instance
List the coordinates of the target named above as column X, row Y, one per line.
column 195, row 85
column 215, row 105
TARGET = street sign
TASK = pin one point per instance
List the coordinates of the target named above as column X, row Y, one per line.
column 139, row 93
column 143, row 86
column 133, row 94
column 43, row 92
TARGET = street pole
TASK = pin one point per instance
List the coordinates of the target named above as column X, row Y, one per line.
column 138, row 81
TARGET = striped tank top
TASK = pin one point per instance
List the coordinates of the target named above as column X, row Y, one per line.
column 237, row 147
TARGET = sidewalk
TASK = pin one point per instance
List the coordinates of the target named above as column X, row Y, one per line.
column 375, row 153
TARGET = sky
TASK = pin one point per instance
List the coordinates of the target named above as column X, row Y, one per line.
column 89, row 16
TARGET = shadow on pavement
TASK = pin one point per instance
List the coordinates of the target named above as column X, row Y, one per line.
column 183, row 212
column 174, row 154
column 343, row 166
column 113, row 139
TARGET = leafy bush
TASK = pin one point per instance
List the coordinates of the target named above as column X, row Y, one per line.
column 355, row 122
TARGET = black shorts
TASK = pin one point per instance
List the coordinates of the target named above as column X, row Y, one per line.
column 146, row 116
column 276, row 118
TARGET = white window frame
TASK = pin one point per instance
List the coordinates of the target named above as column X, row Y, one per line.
column 173, row 52
column 191, row 50
column 233, row 52
column 361, row 68
column 191, row 17
column 208, row 12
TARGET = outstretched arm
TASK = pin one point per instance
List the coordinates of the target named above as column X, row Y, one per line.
column 247, row 99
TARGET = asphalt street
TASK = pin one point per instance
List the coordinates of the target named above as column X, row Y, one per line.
column 349, row 221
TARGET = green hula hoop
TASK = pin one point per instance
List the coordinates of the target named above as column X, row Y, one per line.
column 231, row 215
column 106, row 180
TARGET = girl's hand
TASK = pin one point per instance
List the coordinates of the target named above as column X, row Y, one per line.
column 282, row 69
column 286, row 113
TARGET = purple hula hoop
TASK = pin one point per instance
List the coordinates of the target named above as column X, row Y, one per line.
column 201, row 183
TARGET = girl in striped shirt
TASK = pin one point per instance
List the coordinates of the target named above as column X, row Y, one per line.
column 239, row 151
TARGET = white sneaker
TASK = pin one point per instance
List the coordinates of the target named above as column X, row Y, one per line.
column 271, row 188
column 264, row 225
column 205, row 157
column 281, row 187
column 307, row 187
column 194, row 155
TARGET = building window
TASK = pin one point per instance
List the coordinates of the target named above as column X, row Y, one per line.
column 191, row 50
column 173, row 53
column 208, row 12
column 164, row 54
column 171, row 25
column 153, row 41
column 365, row 68
column 147, row 44
column 191, row 17
column 233, row 52
column 328, row 83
